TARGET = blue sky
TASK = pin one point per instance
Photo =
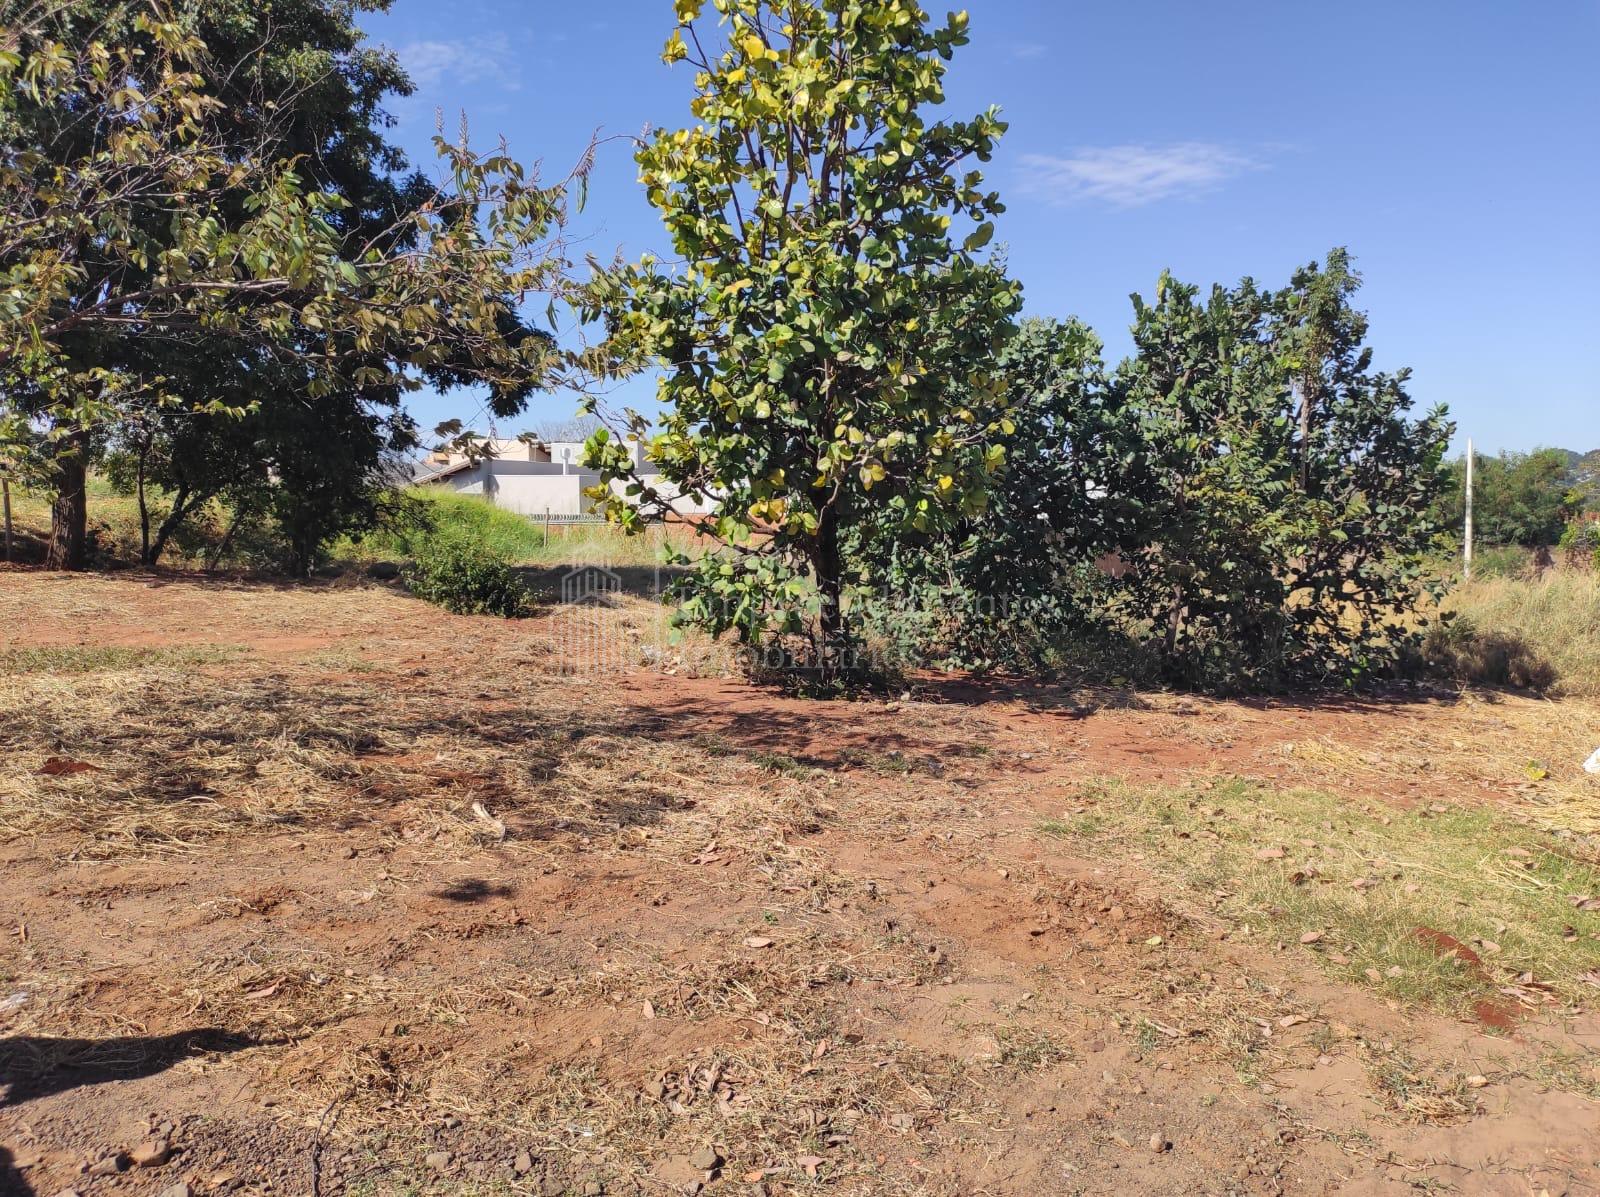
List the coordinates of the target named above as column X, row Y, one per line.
column 1453, row 146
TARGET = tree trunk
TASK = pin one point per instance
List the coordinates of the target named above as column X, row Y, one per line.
column 1308, row 395
column 69, row 512
column 227, row 539
column 1174, row 624
column 5, row 485
column 835, row 647
column 181, row 506
column 144, row 509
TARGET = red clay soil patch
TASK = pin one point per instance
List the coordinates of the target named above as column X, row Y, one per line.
column 59, row 766
column 1501, row 1016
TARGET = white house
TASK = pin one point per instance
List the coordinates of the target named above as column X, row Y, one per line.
column 533, row 477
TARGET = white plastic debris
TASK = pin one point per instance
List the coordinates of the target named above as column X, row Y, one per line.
column 1592, row 765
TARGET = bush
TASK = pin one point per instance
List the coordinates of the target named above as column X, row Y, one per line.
column 1500, row 561
column 467, row 579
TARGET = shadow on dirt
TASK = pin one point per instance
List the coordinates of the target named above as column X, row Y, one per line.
column 11, row 1182
column 33, row 1066
column 1087, row 698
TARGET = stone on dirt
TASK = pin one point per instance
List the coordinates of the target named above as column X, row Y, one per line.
column 707, row 1159
column 112, row 1164
column 152, row 1154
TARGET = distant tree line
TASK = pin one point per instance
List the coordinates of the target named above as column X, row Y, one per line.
column 1525, row 499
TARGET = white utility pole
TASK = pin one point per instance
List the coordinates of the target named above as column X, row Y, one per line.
column 1466, row 548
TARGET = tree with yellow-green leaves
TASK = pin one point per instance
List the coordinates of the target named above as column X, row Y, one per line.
column 826, row 335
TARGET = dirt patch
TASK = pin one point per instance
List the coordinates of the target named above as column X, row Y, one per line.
column 368, row 908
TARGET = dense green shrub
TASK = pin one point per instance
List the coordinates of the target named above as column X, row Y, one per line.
column 1259, row 493
column 467, row 579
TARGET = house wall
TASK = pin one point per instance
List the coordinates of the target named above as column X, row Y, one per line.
column 534, row 487
column 525, row 487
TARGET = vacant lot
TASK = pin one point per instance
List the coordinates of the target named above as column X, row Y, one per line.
column 315, row 889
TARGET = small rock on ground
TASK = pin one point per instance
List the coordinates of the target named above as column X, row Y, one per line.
column 707, row 1159
column 152, row 1154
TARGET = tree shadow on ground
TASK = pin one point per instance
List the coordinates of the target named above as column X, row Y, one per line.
column 1082, row 699
column 641, row 581
column 34, row 1066
column 11, row 1182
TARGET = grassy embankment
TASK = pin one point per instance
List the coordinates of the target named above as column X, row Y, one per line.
column 114, row 528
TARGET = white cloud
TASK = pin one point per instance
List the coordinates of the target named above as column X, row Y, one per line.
column 1128, row 176
column 430, row 63
column 1029, row 50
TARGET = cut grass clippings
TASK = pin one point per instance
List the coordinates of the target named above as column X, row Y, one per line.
column 108, row 659
column 1458, row 909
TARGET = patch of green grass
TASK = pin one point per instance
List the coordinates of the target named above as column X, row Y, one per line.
column 890, row 764
column 91, row 658
column 1574, row 1072
column 1085, row 824
column 520, row 539
column 1361, row 881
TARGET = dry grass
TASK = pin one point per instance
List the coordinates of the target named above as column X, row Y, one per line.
column 1541, row 632
column 1371, row 889
column 1506, row 750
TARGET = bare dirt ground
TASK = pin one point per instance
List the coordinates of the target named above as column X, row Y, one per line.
column 317, row 890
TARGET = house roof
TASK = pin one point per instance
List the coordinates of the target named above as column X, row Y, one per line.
column 424, row 474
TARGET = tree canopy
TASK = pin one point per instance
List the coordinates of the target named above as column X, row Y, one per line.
column 157, row 208
column 830, row 315
column 1518, row 498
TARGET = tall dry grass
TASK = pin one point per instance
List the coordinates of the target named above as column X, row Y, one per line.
column 1542, row 632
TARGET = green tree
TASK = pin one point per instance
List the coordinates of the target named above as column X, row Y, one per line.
column 1217, row 451
column 1276, row 546
column 1518, row 498
column 1007, row 585
column 156, row 232
column 828, row 321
